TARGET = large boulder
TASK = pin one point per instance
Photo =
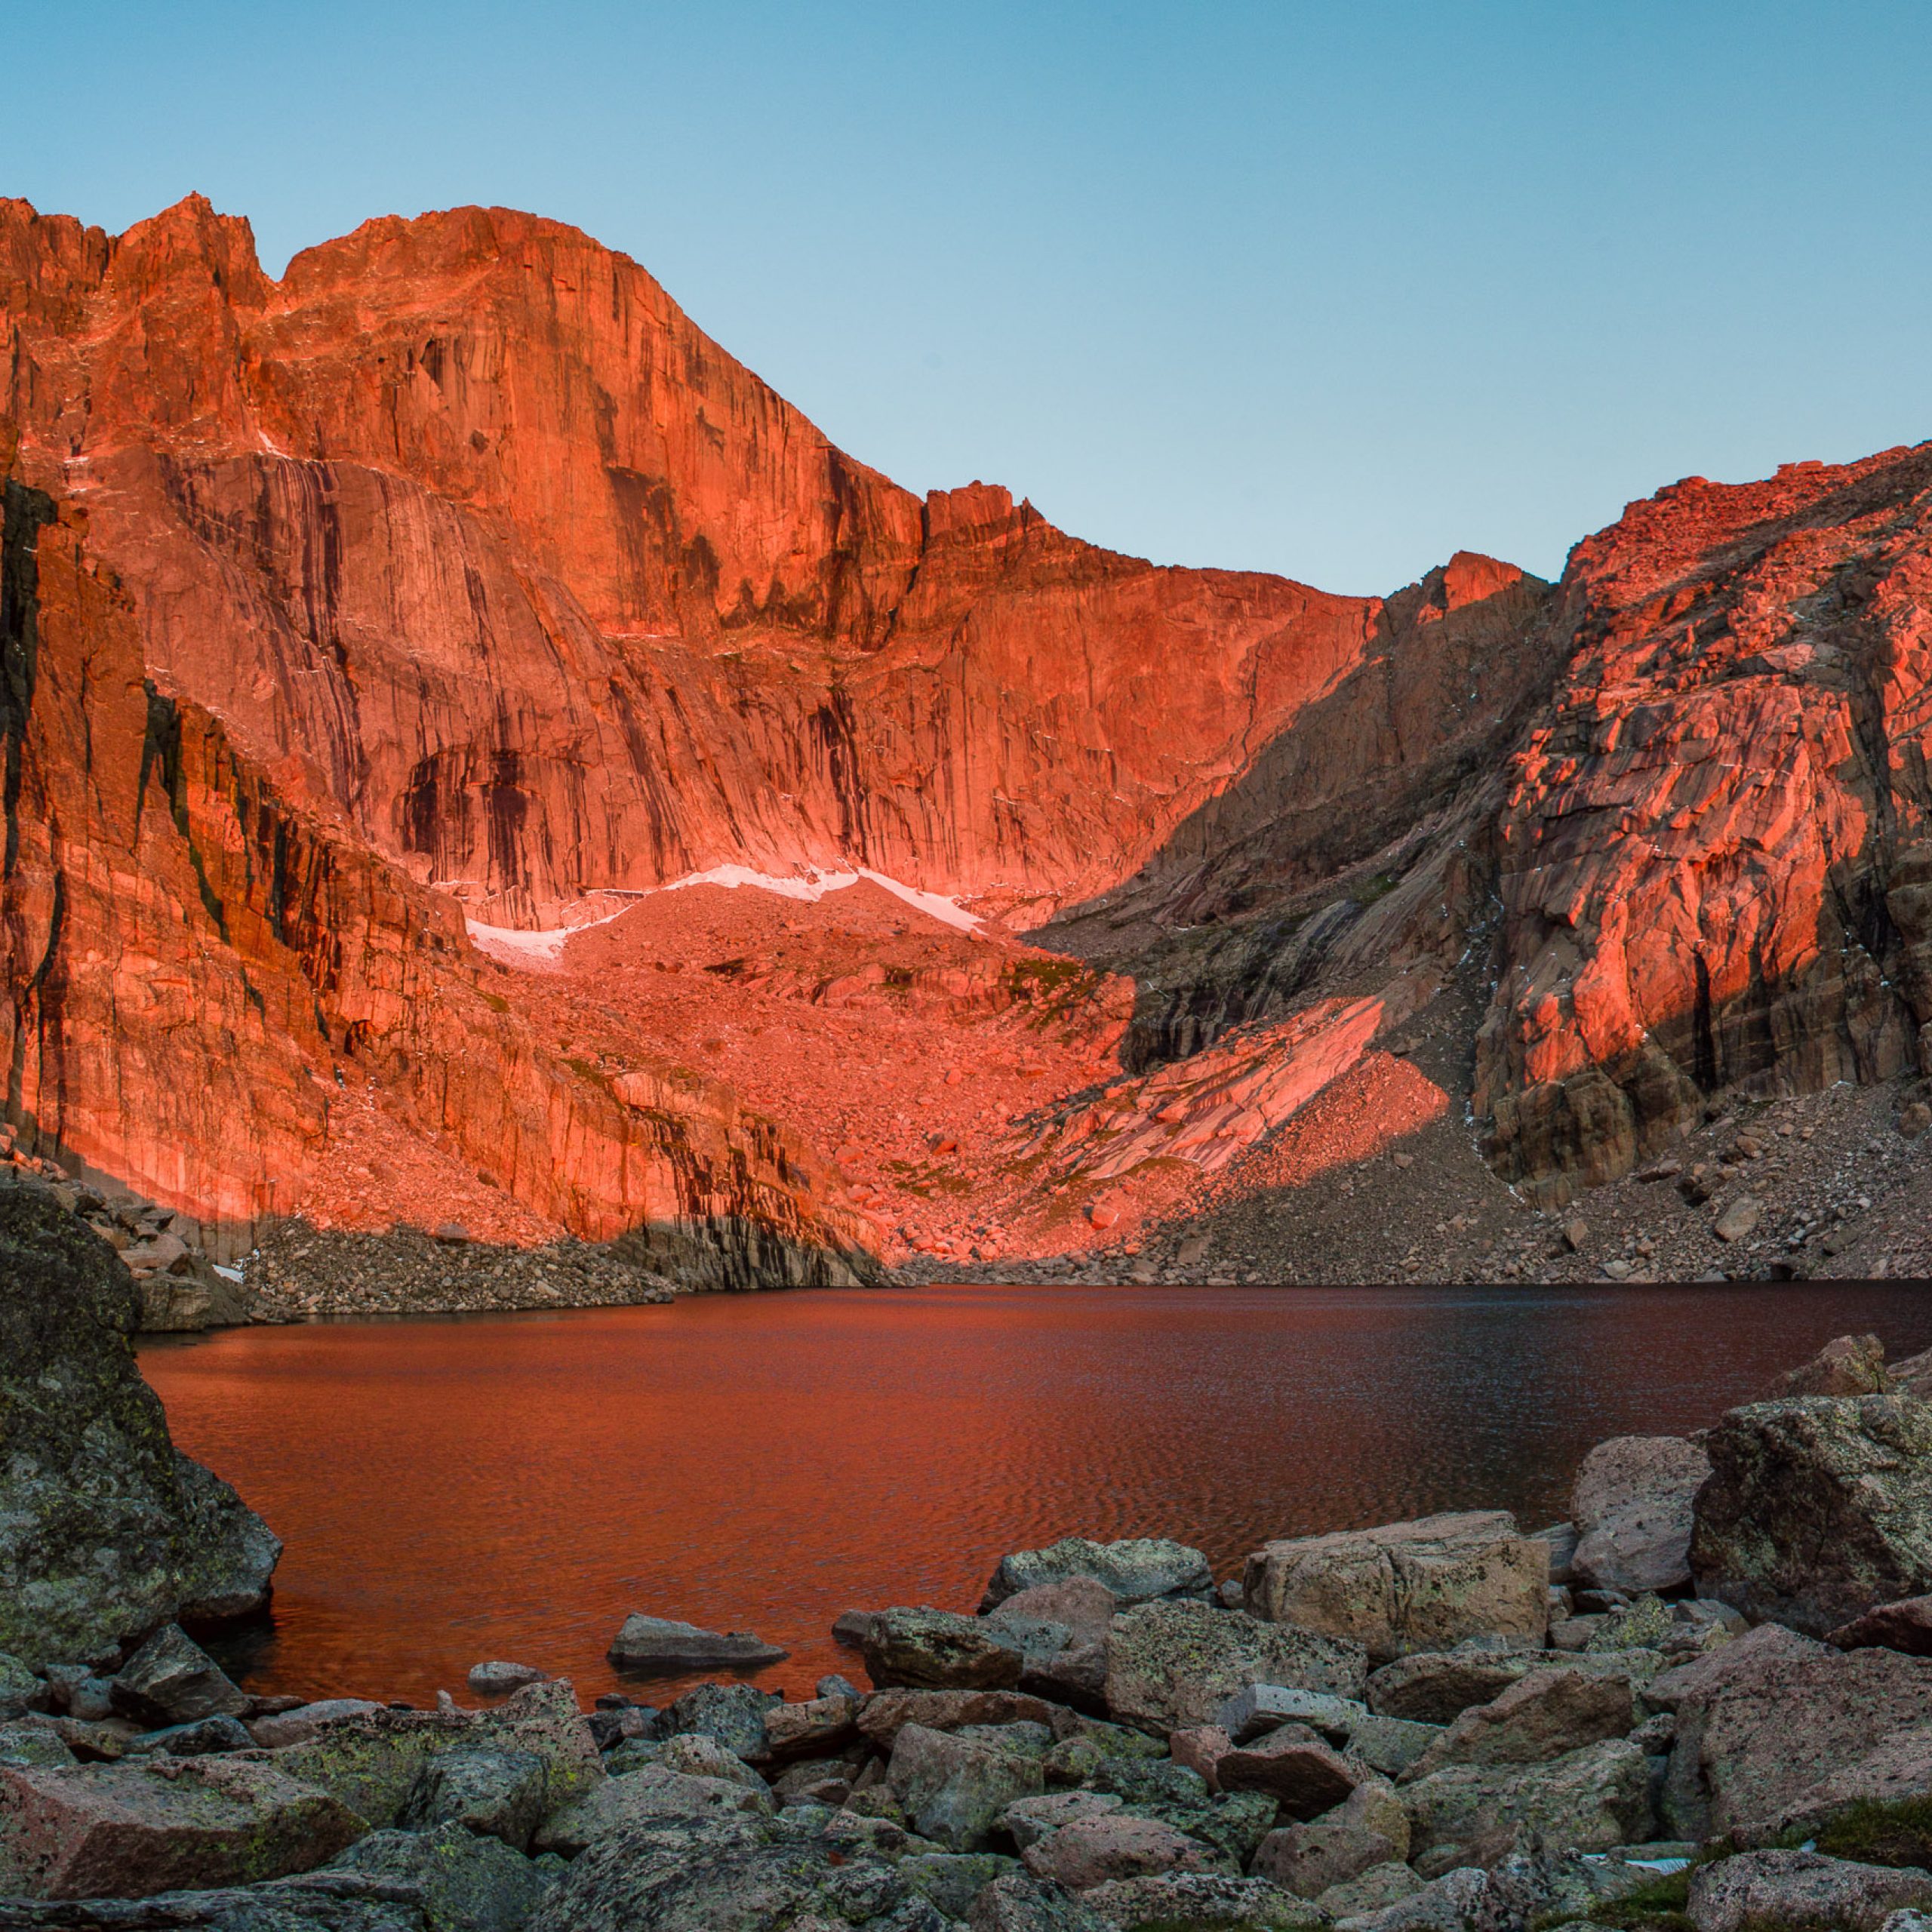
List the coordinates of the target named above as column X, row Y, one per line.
column 1801, row 1891
column 106, row 1530
column 731, row 1874
column 1402, row 1587
column 1632, row 1506
column 647, row 1795
column 939, row 1649
column 497, row 1793
column 1138, row 1570
column 1817, row 1508
column 954, row 1787
column 131, row 1829
column 469, row 1883
column 371, row 1762
column 1539, row 1717
column 1849, row 1365
column 1774, row 1730
column 1436, row 1686
column 1584, row 1801
column 1171, row 1666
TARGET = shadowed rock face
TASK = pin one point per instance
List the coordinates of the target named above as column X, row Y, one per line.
column 106, row 1529
column 467, row 574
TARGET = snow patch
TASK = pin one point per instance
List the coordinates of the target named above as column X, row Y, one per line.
column 813, row 886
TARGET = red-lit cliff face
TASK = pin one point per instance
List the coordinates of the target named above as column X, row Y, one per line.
column 469, row 577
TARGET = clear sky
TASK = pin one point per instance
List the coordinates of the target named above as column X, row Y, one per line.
column 1332, row 290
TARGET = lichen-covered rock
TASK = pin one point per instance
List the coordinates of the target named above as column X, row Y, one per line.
column 1171, row 1665
column 1018, row 1902
column 499, row 1792
column 325, row 1901
column 106, row 1530
column 1586, row 1800
column 171, row 1680
column 650, row 1794
column 1847, row 1365
column 469, row 1883
column 128, row 1830
column 1137, row 1570
column 938, row 1649
column 1405, row 1587
column 1817, row 1508
column 1632, row 1505
column 1436, row 1686
column 951, row 1881
column 1539, row 1717
column 1087, row 1851
column 1370, row 1827
column 954, row 1787
column 662, row 1643
column 1302, row 1774
column 732, row 1714
column 371, row 1760
column 1203, row 1902
column 1801, row 1891
column 885, row 1713
column 1379, row 1887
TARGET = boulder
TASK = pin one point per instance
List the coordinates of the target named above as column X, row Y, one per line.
column 1586, row 1801
column 370, row 1762
column 1076, row 1677
column 1849, row 1365
column 498, row 1679
column 1817, row 1508
column 1018, row 1902
column 1259, row 1708
column 106, row 1530
column 469, row 1884
column 658, row 1644
column 1170, row 1665
column 951, row 1881
column 1090, row 1851
column 647, row 1795
column 1446, row 1904
column 129, row 1830
column 1391, row 1745
column 735, row 1715
column 306, row 1721
column 1369, row 1828
column 32, row 1745
column 498, row 1793
column 1082, row 1605
column 731, row 1874
column 192, row 1740
column 1405, row 1587
column 171, row 1680
column 953, row 1788
column 1436, row 1686
column 939, row 1649
column 1632, row 1505
column 1027, row 1819
column 1801, row 1891
column 1139, row 1570
column 1905, row 1625
column 885, row 1713
column 1379, row 1886
column 1541, row 1716
column 324, row 1901
column 20, row 1690
column 1201, row 1750
column 1775, row 1731
column 811, row 1729
column 1214, row 1902
column 1304, row 1776
column 697, row 1755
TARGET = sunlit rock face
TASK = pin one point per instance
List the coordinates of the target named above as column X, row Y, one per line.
column 457, row 581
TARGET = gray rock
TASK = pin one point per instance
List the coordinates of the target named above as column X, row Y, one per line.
column 1379, row 1886
column 1027, row 1820
column 32, row 1744
column 1562, row 1539
column 1586, row 1800
column 1447, row 1904
column 1391, row 1745
column 1020, row 1903
column 1212, row 1901
column 1309, row 1858
column 306, row 1721
column 650, row 1796
column 194, row 1740
column 951, row 1881
column 697, row 1755
column 313, row 1901
column 1258, row 1709
column 171, row 1680
column 660, row 1644
column 86, row 1470
column 469, row 1884
column 1139, row 1570
column 1817, row 1508
column 1797, row 1889
column 1082, row 1605
column 499, row 1679
column 1633, row 1509
column 937, row 1649
column 734, row 1714
column 1171, row 1666
column 498, row 1793
column 1406, row 1587
column 954, row 1788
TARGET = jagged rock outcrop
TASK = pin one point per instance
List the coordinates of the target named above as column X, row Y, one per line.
column 107, row 1531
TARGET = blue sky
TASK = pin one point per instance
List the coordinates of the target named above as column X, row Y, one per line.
column 1329, row 290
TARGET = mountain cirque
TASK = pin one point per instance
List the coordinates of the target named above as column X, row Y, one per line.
column 361, row 626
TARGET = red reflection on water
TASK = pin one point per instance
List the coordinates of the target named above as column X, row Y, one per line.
column 512, row 1487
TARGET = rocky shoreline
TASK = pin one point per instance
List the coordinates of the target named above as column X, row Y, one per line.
column 1706, row 1700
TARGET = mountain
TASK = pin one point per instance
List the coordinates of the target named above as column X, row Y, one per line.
column 362, row 627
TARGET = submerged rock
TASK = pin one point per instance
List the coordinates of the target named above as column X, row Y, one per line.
column 659, row 1644
column 1137, row 1570
column 106, row 1530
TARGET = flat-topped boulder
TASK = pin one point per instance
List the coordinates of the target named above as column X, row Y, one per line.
column 1801, row 1890
column 1137, row 1570
column 647, row 1644
column 1171, row 1666
column 1401, row 1587
column 1818, row 1509
column 106, row 1530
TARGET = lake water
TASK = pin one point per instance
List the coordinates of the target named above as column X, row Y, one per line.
column 512, row 1486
